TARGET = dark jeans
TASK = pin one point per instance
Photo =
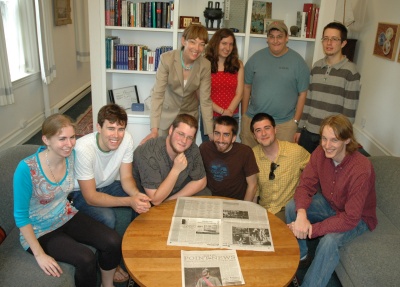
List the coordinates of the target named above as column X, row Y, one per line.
column 65, row 244
column 309, row 141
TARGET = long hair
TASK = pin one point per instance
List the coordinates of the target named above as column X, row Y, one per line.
column 231, row 64
column 343, row 130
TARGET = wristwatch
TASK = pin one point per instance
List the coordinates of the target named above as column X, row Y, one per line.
column 296, row 121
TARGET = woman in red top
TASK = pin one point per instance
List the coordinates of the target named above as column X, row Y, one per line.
column 227, row 75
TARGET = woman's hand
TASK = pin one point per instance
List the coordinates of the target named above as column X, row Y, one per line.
column 227, row 112
column 48, row 265
column 152, row 135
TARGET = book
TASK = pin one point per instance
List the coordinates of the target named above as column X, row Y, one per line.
column 309, row 8
column 259, row 12
column 301, row 23
column 158, row 15
column 164, row 15
column 314, row 33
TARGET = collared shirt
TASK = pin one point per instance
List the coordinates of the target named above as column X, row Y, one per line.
column 292, row 159
column 333, row 90
column 152, row 165
column 349, row 188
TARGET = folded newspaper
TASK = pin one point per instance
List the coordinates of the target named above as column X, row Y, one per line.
column 210, row 268
column 220, row 223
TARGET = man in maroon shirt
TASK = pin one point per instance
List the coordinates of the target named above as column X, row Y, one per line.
column 346, row 205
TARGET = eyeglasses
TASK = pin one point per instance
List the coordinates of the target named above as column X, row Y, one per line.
column 333, row 39
column 274, row 166
column 181, row 136
column 272, row 37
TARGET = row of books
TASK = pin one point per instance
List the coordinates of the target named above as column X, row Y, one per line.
column 307, row 20
column 154, row 14
column 134, row 57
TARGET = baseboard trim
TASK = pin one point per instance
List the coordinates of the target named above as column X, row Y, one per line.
column 22, row 135
column 72, row 99
column 34, row 125
column 369, row 143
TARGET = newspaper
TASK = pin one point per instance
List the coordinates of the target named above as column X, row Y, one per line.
column 219, row 223
column 210, row 268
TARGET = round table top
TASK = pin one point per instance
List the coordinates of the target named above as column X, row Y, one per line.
column 153, row 263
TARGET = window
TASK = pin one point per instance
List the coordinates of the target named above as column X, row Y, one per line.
column 20, row 34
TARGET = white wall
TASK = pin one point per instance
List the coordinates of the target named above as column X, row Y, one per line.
column 380, row 97
column 72, row 78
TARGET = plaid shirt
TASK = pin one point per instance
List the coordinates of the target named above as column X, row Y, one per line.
column 292, row 159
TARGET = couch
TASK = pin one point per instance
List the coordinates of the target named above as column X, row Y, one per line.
column 18, row 267
column 373, row 259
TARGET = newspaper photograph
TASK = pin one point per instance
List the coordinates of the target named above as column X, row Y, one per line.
column 219, row 223
column 210, row 268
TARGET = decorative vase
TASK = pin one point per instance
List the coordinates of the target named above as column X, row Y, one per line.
column 212, row 14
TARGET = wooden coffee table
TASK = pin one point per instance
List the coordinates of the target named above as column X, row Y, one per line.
column 153, row 263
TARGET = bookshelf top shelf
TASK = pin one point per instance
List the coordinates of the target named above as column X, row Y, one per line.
column 165, row 30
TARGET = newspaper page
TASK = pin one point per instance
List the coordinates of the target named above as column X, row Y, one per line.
column 219, row 223
column 210, row 268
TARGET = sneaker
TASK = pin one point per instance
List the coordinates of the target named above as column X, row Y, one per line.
column 306, row 262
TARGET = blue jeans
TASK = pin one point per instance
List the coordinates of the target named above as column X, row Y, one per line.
column 327, row 253
column 105, row 215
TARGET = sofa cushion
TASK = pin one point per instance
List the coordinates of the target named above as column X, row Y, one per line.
column 21, row 268
column 372, row 259
column 9, row 160
column 387, row 184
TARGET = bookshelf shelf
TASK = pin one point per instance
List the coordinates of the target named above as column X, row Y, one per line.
column 164, row 30
column 130, row 72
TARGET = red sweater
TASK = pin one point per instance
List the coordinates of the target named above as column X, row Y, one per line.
column 348, row 187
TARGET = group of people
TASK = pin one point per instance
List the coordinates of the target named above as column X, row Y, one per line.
column 297, row 158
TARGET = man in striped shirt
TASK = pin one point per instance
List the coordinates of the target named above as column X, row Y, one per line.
column 334, row 87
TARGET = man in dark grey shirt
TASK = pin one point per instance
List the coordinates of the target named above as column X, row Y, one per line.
column 168, row 167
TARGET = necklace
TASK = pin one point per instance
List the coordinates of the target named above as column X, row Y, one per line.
column 52, row 174
column 183, row 64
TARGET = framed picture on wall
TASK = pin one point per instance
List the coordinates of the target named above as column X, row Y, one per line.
column 386, row 40
column 62, row 12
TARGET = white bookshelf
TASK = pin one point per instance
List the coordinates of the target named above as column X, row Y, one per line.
column 104, row 79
